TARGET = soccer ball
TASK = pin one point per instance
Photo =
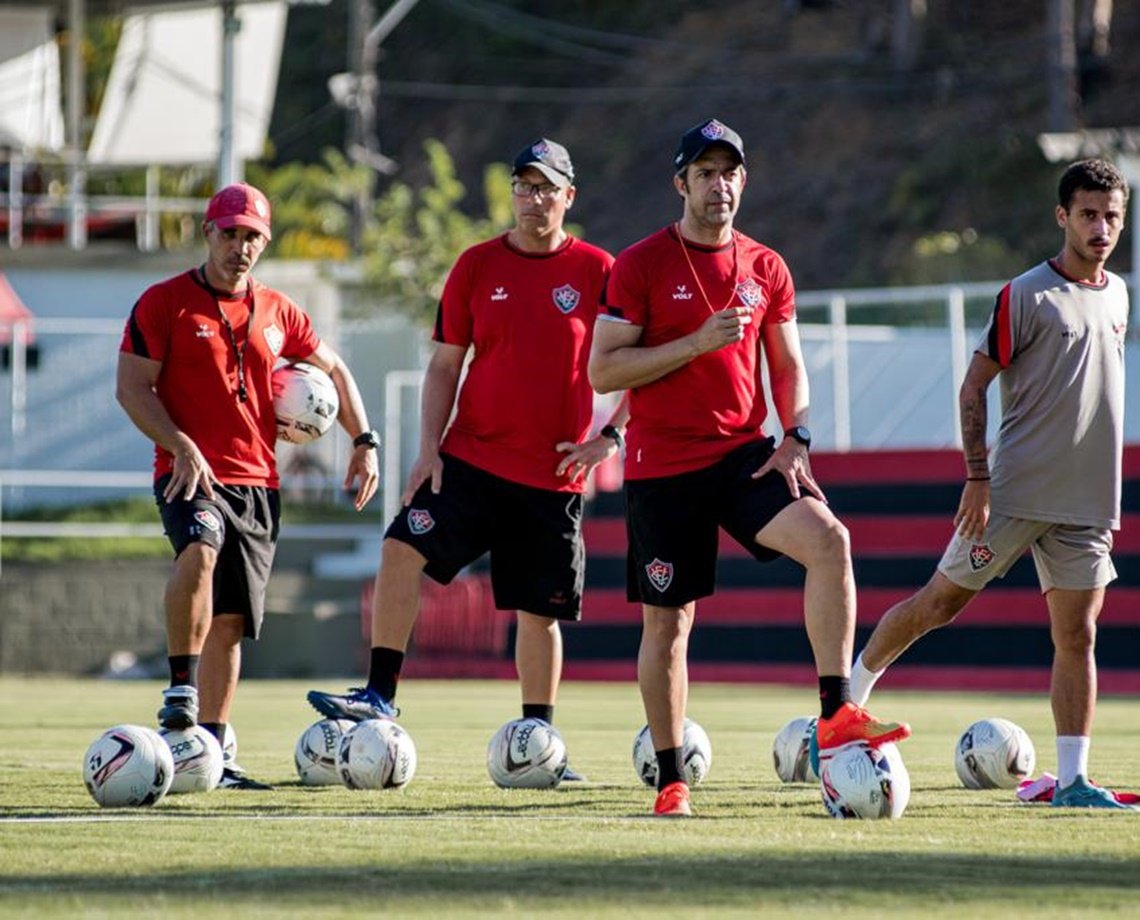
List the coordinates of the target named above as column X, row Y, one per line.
column 197, row 759
column 376, row 754
column 128, row 766
column 526, row 754
column 790, row 751
column 696, row 755
column 860, row 781
column 305, row 401
column 315, row 752
column 994, row 754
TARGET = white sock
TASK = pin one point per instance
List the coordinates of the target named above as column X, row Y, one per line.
column 1072, row 758
column 862, row 681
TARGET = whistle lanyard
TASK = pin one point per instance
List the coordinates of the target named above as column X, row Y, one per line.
column 239, row 352
column 697, row 278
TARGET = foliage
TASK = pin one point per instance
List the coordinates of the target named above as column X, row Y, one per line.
column 312, row 204
column 453, row 845
column 134, row 510
column 417, row 234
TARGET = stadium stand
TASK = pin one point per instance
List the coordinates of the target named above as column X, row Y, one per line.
column 898, row 507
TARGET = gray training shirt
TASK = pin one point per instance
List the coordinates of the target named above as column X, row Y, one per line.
column 1060, row 344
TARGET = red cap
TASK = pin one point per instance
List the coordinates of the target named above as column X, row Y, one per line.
column 240, row 205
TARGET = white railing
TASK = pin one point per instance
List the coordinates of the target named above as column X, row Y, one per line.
column 72, row 210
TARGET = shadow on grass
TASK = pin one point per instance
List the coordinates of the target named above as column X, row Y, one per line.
column 854, row 875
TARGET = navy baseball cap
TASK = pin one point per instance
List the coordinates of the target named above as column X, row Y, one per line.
column 700, row 137
column 549, row 158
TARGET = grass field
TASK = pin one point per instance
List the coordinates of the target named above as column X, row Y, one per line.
column 453, row 845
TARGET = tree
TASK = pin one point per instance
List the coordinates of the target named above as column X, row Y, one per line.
column 415, row 236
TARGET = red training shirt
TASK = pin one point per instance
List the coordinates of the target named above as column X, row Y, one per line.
column 530, row 319
column 693, row 416
column 179, row 323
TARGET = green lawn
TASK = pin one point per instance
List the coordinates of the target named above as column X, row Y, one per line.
column 451, row 844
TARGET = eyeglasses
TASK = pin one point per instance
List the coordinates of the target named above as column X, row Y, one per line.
column 522, row 189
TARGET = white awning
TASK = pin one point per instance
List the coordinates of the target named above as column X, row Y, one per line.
column 30, row 113
column 162, row 103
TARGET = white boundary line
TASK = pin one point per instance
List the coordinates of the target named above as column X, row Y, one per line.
column 152, row 815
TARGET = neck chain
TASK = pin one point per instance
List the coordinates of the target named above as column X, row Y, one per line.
column 696, row 277
column 239, row 352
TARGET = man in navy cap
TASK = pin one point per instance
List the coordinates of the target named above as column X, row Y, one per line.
column 507, row 474
column 688, row 312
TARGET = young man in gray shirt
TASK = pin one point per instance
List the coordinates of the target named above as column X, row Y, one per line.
column 1052, row 483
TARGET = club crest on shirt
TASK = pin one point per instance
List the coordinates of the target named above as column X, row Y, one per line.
column 565, row 298
column 750, row 293
column 420, row 521
column 274, row 338
column 208, row 520
column 660, row 574
column 981, row 555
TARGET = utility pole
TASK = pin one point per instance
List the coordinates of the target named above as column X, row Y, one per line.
column 356, row 92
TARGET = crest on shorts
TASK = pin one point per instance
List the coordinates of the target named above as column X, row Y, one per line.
column 750, row 293
column 660, row 574
column 208, row 520
column 274, row 338
column 981, row 555
column 420, row 521
column 565, row 298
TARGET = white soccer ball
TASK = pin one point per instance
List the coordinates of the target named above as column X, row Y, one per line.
column 994, row 754
column 128, row 766
column 526, row 754
column 696, row 755
column 314, row 755
column 306, row 402
column 376, row 754
column 860, row 781
column 197, row 759
column 790, row 751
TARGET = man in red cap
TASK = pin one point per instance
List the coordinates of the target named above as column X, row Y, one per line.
column 194, row 375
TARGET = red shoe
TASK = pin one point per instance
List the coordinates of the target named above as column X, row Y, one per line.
column 673, row 802
column 853, row 723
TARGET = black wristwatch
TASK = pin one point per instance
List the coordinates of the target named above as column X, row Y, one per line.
column 801, row 434
column 609, row 431
column 367, row 439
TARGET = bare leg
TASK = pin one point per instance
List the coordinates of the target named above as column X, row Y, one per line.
column 663, row 671
column 809, row 533
column 937, row 603
column 189, row 599
column 538, row 658
column 396, row 602
column 220, row 667
column 1073, row 616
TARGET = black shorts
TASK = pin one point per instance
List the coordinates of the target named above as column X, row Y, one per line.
column 241, row 523
column 534, row 536
column 672, row 523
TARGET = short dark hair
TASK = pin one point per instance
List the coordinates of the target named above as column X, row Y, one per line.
column 1093, row 176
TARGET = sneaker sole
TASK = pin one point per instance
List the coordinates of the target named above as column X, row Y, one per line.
column 899, row 734
column 331, row 710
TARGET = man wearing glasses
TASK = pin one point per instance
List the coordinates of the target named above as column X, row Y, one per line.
column 508, row 473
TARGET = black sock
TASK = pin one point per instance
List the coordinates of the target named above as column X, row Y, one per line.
column 539, row 711
column 384, row 671
column 183, row 670
column 833, row 693
column 668, row 767
column 217, row 729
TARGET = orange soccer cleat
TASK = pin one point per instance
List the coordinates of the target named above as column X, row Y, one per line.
column 853, row 723
column 673, row 802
